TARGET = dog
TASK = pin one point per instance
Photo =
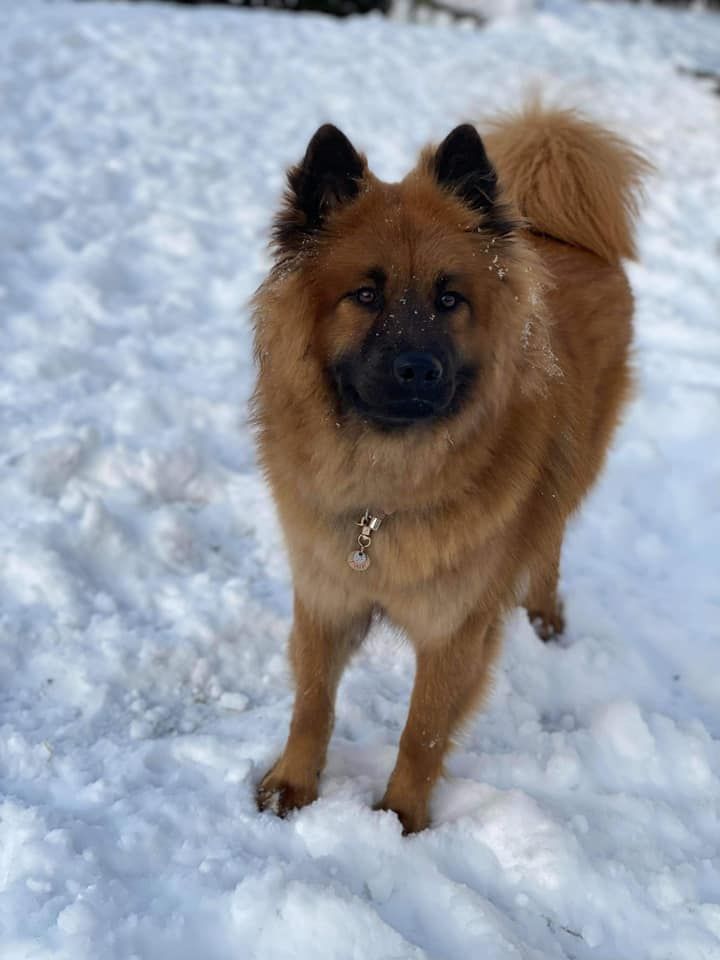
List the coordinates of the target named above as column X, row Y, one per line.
column 441, row 365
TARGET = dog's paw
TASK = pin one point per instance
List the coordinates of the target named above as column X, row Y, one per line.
column 281, row 795
column 412, row 814
column 548, row 626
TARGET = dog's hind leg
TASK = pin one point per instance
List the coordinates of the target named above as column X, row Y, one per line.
column 544, row 607
column 318, row 654
column 450, row 680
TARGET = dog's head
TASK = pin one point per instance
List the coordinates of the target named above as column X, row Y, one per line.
column 410, row 303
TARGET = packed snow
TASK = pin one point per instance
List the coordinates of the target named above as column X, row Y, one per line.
column 145, row 597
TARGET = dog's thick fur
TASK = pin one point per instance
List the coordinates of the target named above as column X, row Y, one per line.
column 477, row 501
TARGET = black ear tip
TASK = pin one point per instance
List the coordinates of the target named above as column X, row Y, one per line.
column 328, row 131
column 464, row 140
column 328, row 138
column 464, row 132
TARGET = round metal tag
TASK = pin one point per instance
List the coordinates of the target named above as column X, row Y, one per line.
column 358, row 560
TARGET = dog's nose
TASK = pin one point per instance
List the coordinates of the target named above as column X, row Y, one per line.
column 418, row 371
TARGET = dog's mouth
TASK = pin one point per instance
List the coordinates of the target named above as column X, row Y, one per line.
column 393, row 414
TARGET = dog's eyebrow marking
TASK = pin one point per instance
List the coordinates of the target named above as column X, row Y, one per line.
column 377, row 275
column 445, row 280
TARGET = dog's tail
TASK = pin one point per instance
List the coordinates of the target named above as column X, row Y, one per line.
column 569, row 178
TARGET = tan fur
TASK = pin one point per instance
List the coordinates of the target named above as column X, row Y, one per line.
column 478, row 502
column 569, row 178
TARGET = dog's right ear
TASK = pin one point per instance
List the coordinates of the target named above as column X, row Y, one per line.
column 328, row 175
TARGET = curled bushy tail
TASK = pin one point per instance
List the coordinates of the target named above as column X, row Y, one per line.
column 569, row 178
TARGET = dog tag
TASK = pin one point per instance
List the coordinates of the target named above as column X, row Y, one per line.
column 359, row 560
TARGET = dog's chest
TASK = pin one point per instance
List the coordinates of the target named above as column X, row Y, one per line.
column 425, row 583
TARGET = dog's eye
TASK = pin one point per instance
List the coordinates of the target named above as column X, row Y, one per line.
column 367, row 296
column 448, row 300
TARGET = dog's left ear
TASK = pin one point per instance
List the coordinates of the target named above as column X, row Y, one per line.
column 328, row 176
column 462, row 165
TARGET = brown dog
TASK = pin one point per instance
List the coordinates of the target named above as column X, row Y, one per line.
column 443, row 361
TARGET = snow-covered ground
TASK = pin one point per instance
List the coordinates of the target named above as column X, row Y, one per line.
column 144, row 594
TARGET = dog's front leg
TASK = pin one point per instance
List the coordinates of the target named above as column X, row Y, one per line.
column 319, row 651
column 450, row 679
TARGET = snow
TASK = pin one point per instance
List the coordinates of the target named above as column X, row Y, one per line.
column 144, row 592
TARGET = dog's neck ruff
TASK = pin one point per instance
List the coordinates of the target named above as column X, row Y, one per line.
column 369, row 524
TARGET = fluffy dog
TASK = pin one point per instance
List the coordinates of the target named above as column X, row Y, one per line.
column 442, row 363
